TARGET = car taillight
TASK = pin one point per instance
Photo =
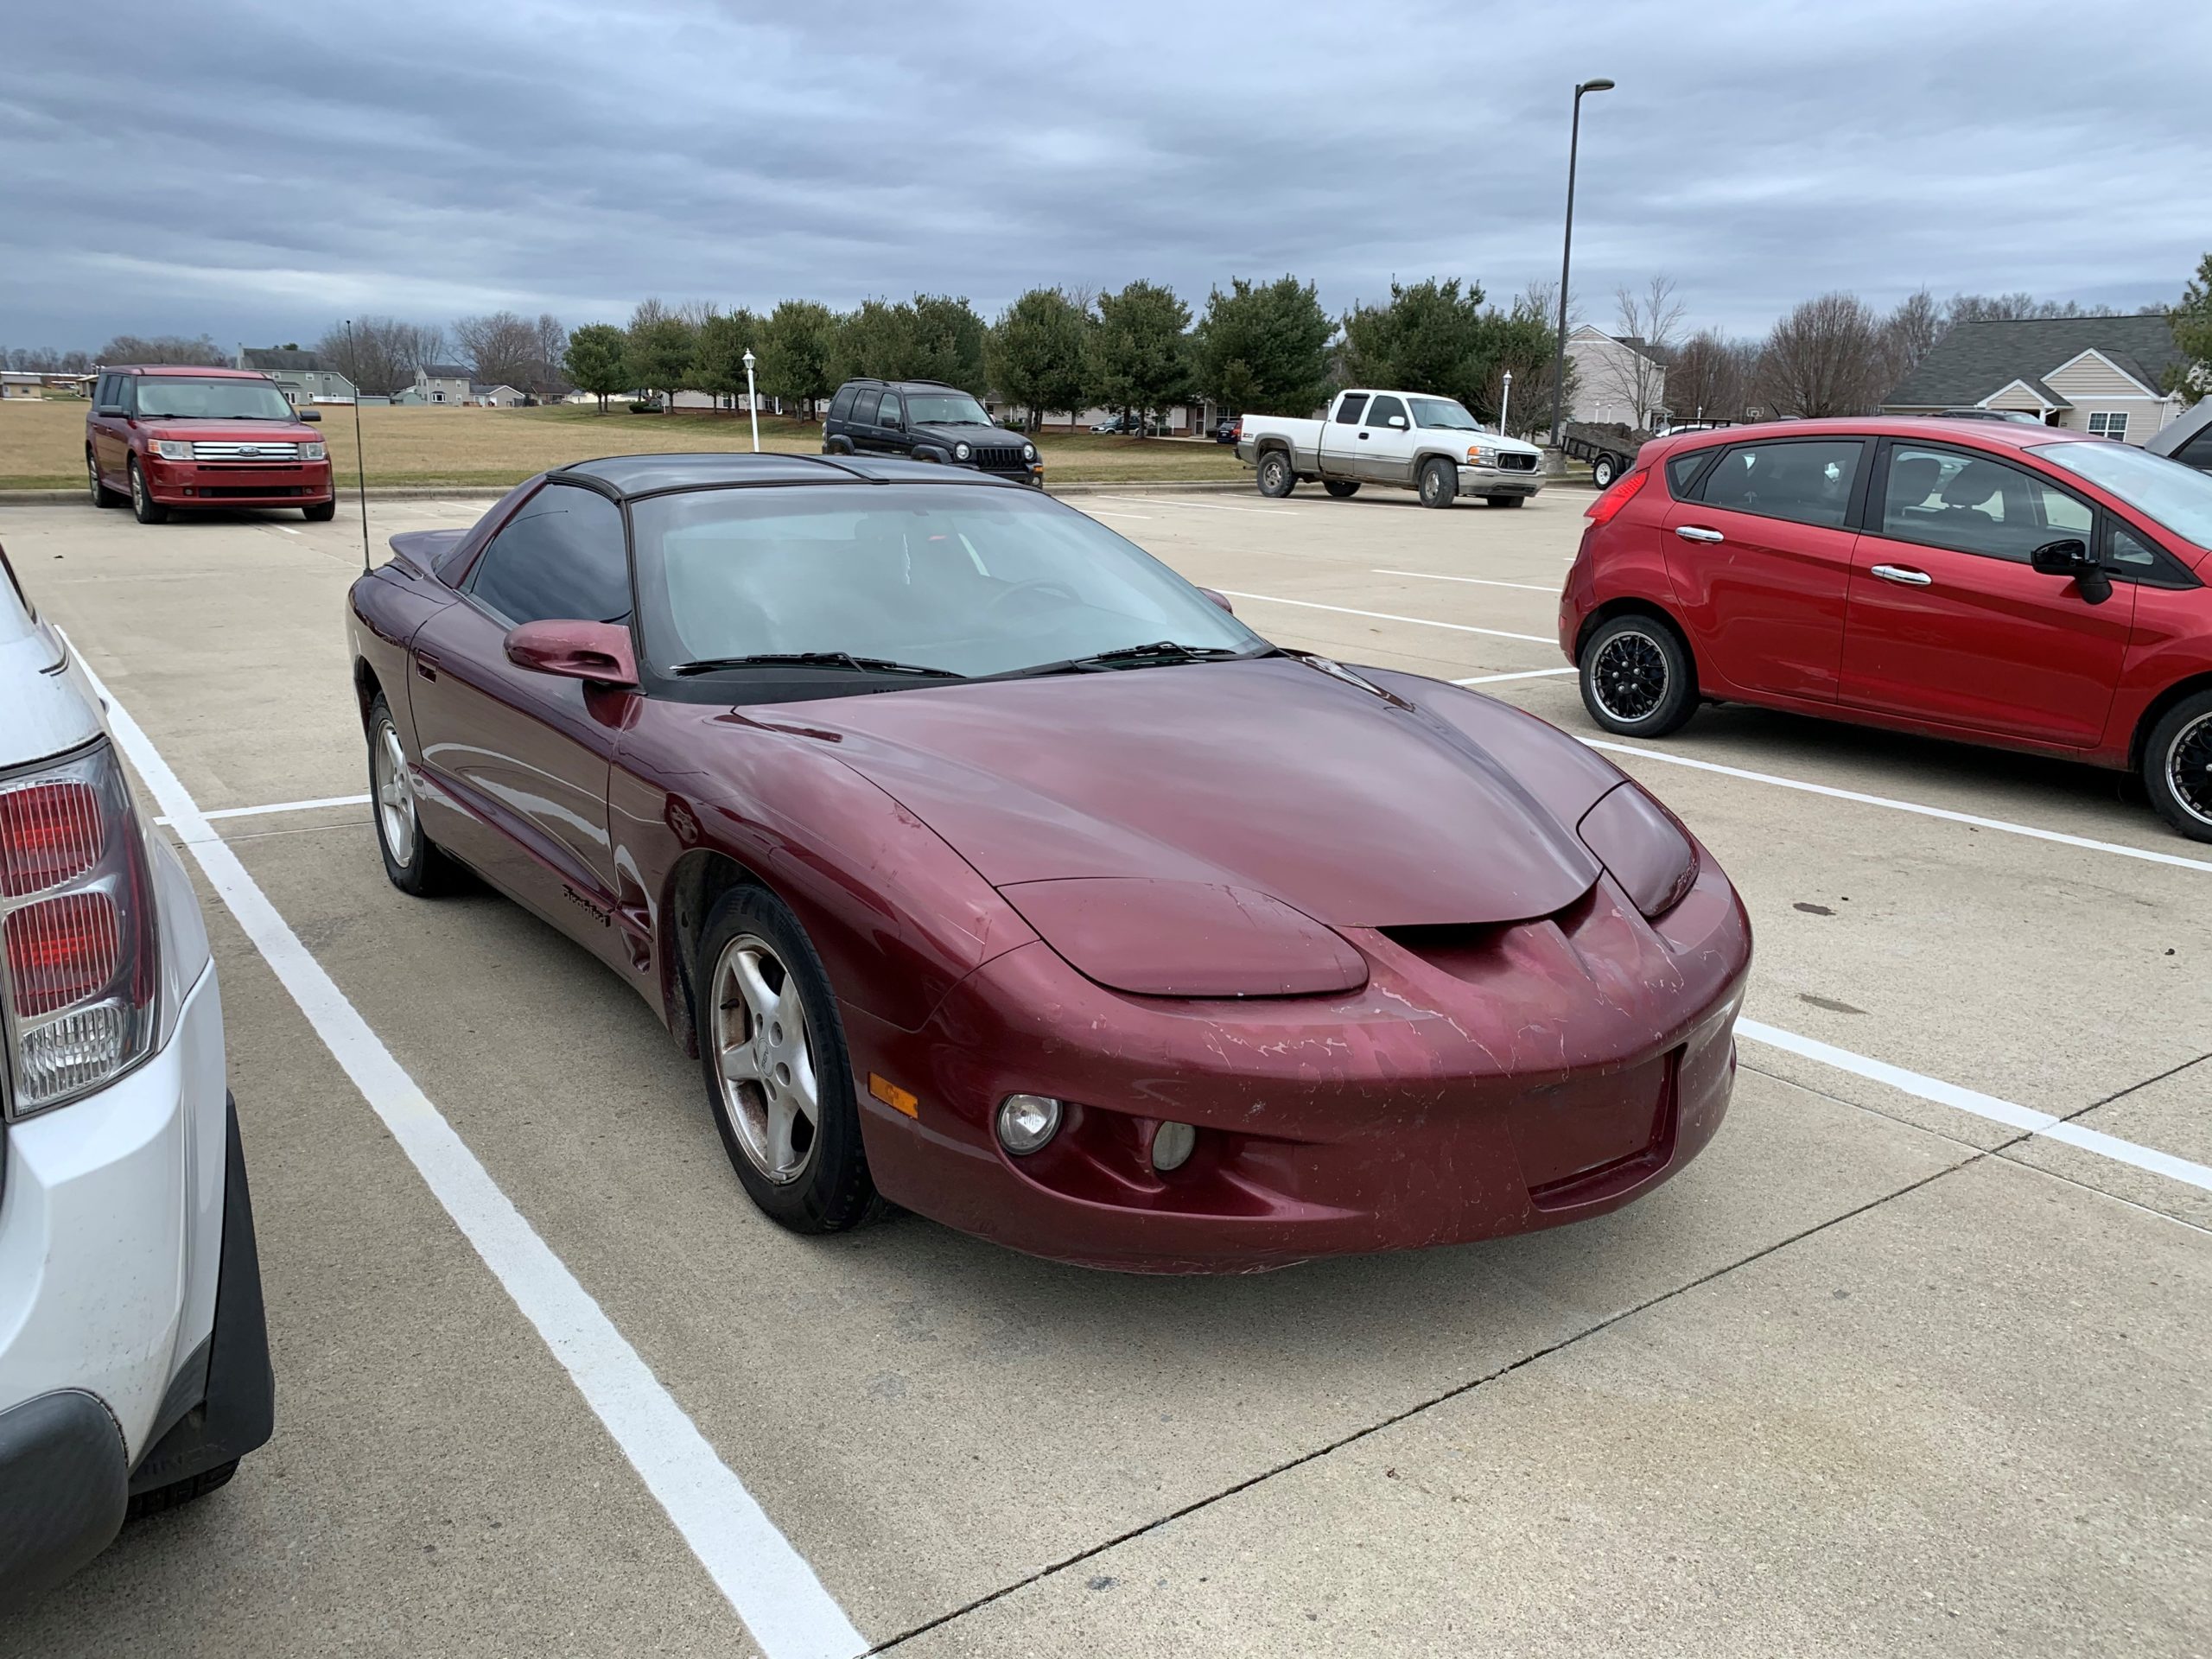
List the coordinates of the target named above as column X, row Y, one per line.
column 1602, row 510
column 77, row 945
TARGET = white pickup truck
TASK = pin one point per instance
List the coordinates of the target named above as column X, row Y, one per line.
column 1402, row 439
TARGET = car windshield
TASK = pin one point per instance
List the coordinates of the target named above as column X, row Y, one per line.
column 2179, row 497
column 944, row 409
column 173, row 397
column 972, row 581
column 1443, row 412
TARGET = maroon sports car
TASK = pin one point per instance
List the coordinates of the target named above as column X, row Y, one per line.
column 992, row 869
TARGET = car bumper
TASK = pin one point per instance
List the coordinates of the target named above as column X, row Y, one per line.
column 190, row 484
column 1558, row 1072
column 1499, row 480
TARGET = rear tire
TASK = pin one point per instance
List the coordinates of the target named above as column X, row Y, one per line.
column 1637, row 678
column 2178, row 766
column 1603, row 472
column 320, row 512
column 102, row 496
column 1276, row 476
column 1440, row 482
column 755, row 968
column 149, row 511
column 1342, row 488
column 413, row 863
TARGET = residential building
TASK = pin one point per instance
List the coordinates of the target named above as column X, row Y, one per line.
column 20, row 384
column 1616, row 381
column 303, row 377
column 499, row 397
column 2103, row 375
column 441, row 383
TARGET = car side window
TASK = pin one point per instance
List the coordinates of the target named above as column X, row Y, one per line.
column 100, row 387
column 840, row 406
column 1348, row 410
column 1380, row 412
column 889, row 414
column 561, row 556
column 1974, row 503
column 126, row 392
column 1683, row 471
column 864, row 407
column 1804, row 481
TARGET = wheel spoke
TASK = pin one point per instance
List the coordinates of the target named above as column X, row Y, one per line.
column 752, row 985
column 803, row 1091
column 780, row 1119
column 738, row 1062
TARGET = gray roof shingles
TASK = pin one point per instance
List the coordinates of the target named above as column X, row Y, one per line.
column 1975, row 359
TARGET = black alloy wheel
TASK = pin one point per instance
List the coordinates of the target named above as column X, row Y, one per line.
column 2178, row 766
column 1637, row 677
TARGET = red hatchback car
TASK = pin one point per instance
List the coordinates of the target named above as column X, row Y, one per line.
column 164, row 438
column 2004, row 584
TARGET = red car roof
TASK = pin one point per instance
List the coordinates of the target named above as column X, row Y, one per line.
column 2017, row 435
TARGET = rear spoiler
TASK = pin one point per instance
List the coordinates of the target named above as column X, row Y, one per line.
column 424, row 550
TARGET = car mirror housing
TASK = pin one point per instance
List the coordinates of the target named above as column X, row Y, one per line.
column 599, row 653
column 309, row 415
column 109, row 410
column 1398, row 422
column 2070, row 556
column 1219, row 599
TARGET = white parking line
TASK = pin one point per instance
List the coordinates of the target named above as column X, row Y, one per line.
column 1478, row 581
column 279, row 806
column 2006, row 1112
column 1199, row 506
column 768, row 1584
column 2120, row 848
column 1385, row 616
column 1525, row 674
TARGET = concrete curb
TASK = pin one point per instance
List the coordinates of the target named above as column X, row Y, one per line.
column 491, row 493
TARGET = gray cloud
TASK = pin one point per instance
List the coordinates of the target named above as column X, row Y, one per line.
column 257, row 170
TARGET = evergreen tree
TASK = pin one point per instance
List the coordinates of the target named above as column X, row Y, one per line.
column 796, row 342
column 1264, row 348
column 1140, row 354
column 596, row 360
column 1038, row 355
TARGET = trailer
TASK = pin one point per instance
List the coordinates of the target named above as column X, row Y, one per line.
column 1611, row 450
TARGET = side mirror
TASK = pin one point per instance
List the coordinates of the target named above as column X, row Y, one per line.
column 309, row 415
column 1219, row 600
column 2071, row 557
column 110, row 409
column 598, row 652
column 1398, row 422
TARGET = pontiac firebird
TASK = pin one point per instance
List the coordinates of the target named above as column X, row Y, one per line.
column 992, row 870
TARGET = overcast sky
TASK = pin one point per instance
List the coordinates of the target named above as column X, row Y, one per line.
column 259, row 170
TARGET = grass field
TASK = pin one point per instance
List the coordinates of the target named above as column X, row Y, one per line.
column 41, row 444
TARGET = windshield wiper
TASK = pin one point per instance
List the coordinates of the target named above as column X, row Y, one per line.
column 1160, row 650
column 844, row 659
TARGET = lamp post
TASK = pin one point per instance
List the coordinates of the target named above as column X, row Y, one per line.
column 1504, row 402
column 751, row 402
column 1566, row 257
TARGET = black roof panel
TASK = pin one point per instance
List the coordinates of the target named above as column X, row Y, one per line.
column 643, row 474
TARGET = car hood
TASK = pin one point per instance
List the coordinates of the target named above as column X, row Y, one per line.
column 1350, row 804
column 975, row 435
column 235, row 431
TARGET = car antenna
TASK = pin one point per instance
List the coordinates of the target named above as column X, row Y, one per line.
column 360, row 455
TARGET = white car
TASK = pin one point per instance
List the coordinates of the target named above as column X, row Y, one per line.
column 1400, row 440
column 134, row 1358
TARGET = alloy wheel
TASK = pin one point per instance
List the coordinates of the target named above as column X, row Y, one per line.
column 395, row 796
column 137, row 493
column 93, row 477
column 1629, row 679
column 2188, row 768
column 764, row 1057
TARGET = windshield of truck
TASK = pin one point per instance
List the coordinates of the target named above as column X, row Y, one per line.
column 173, row 397
column 2179, row 497
column 944, row 409
column 1443, row 412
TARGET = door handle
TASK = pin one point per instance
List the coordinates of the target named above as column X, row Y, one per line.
column 1362, row 437
column 426, row 667
column 1898, row 573
column 1697, row 533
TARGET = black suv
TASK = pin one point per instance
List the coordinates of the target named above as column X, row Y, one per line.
column 926, row 420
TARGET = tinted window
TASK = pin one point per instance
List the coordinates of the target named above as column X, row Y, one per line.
column 1348, row 411
column 864, row 406
column 103, row 390
column 1380, row 412
column 1681, row 471
column 888, row 415
column 1972, row 503
column 560, row 556
column 1807, row 482
column 842, row 405
column 2128, row 553
column 2172, row 495
column 2197, row 452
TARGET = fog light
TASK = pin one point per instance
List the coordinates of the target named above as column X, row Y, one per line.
column 1173, row 1145
column 1027, row 1122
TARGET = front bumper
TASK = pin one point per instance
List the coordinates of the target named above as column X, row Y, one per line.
column 196, row 483
column 1499, row 480
column 1538, row 1073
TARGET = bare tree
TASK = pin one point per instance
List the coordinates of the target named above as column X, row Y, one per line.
column 552, row 346
column 173, row 349
column 1826, row 358
column 1911, row 333
column 2007, row 308
column 1647, row 324
column 500, row 349
column 1711, row 376
column 382, row 353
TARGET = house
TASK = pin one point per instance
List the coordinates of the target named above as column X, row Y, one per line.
column 439, row 383
column 499, row 397
column 19, row 382
column 2089, row 374
column 1617, row 381
column 303, row 377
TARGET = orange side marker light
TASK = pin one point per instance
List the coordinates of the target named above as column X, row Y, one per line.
column 893, row 1095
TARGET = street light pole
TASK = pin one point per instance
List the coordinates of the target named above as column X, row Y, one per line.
column 751, row 401
column 1504, row 402
column 1566, row 257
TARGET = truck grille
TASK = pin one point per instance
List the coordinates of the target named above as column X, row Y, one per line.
column 997, row 458
column 217, row 449
column 1510, row 462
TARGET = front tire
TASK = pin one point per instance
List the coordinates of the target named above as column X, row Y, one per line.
column 1439, row 483
column 413, row 863
column 1277, row 477
column 102, row 496
column 2178, row 766
column 779, row 1081
column 167, row 1498
column 1637, row 678
column 1603, row 472
column 149, row 511
column 320, row 512
column 1503, row 500
column 1342, row 488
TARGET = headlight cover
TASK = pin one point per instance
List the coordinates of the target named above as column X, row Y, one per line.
column 1186, row 938
column 313, row 452
column 1029, row 452
column 960, row 452
column 172, row 448
column 1481, row 454
column 1642, row 847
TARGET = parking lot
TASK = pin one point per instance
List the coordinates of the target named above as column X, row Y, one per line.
column 1913, row 1359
